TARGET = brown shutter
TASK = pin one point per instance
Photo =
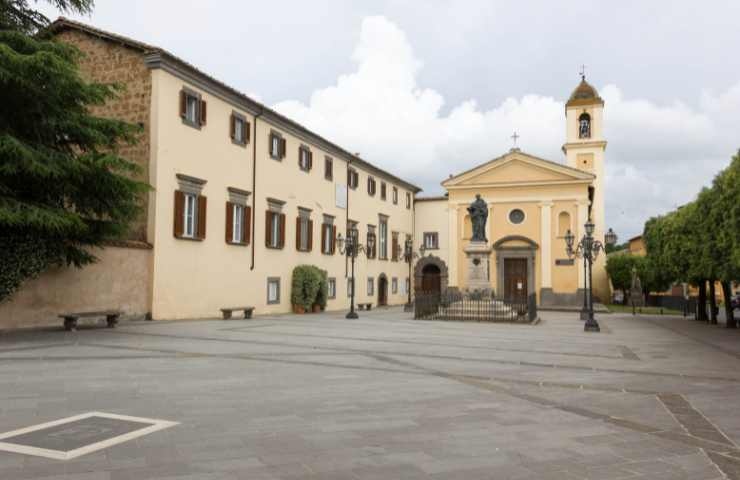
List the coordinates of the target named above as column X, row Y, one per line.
column 247, row 224
column 232, row 127
column 310, row 160
column 323, row 237
column 183, row 103
column 247, row 134
column 282, row 148
column 333, row 238
column 282, row 230
column 202, row 209
column 268, row 230
column 229, row 222
column 310, row 235
column 298, row 233
column 202, row 112
column 179, row 219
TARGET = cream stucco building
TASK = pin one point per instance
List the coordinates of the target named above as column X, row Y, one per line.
column 242, row 194
column 532, row 203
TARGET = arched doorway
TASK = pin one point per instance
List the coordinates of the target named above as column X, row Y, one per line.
column 382, row 290
column 431, row 279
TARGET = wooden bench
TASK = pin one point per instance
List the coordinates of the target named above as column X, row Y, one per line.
column 364, row 306
column 226, row 312
column 70, row 319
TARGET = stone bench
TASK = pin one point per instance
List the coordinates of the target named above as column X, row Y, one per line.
column 70, row 319
column 364, row 306
column 226, row 312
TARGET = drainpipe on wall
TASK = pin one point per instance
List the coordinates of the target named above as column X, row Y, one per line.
column 254, row 185
column 346, row 215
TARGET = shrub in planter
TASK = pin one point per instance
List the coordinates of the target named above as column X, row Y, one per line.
column 323, row 294
column 304, row 287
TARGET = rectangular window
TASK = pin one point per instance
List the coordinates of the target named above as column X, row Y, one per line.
column 383, row 238
column 395, row 247
column 192, row 108
column 305, row 158
column 370, row 286
column 327, row 237
column 370, row 186
column 395, row 196
column 273, row 290
column 408, row 201
column 274, row 229
column 371, row 252
column 382, row 191
column 191, row 215
column 239, row 129
column 431, row 240
column 353, row 178
column 332, row 288
column 349, row 287
column 394, row 285
column 237, row 235
column 277, row 146
column 328, row 168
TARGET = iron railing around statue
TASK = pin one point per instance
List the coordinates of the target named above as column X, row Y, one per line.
column 477, row 307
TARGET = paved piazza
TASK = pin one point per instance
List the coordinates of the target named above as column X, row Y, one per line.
column 385, row 397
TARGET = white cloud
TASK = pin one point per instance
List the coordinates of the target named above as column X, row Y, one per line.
column 658, row 155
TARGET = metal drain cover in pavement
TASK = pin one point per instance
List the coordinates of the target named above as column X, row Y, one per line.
column 74, row 436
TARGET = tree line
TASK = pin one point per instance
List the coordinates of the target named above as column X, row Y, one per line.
column 698, row 243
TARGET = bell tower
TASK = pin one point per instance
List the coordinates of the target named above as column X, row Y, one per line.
column 584, row 149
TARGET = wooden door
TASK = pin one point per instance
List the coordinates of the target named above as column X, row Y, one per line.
column 430, row 279
column 515, row 279
column 382, row 291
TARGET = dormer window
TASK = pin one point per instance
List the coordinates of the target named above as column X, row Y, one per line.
column 584, row 126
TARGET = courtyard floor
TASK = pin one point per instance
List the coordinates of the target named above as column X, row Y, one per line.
column 383, row 397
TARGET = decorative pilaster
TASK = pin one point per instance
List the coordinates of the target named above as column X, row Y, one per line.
column 582, row 212
column 545, row 243
column 453, row 243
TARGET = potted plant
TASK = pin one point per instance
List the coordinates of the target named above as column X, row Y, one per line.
column 304, row 288
column 323, row 291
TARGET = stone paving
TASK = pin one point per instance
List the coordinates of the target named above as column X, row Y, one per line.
column 385, row 397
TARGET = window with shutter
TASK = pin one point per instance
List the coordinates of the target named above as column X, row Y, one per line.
column 304, row 158
column 203, row 112
column 395, row 196
column 201, row 224
column 179, row 214
column 382, row 190
column 328, row 168
column 192, row 108
column 275, row 146
column 239, row 129
column 408, row 201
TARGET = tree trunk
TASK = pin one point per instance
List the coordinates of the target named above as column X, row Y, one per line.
column 712, row 303
column 701, row 302
column 729, row 315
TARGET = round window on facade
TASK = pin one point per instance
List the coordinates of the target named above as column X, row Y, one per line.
column 516, row 216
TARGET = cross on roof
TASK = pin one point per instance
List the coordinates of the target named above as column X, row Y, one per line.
column 515, row 137
column 583, row 72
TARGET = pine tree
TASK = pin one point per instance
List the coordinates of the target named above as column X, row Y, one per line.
column 63, row 188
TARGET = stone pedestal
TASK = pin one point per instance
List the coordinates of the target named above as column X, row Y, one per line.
column 478, row 266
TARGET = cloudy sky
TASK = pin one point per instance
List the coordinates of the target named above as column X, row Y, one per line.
column 429, row 88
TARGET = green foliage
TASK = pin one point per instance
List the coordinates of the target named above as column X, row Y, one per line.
column 619, row 268
column 699, row 241
column 17, row 15
column 307, row 285
column 322, row 296
column 63, row 186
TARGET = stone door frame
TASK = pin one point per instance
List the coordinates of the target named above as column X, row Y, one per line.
column 528, row 252
column 419, row 272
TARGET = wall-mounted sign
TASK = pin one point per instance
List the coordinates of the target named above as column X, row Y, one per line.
column 564, row 261
column 341, row 196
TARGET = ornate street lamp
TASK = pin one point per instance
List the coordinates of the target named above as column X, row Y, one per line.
column 352, row 247
column 588, row 249
column 409, row 255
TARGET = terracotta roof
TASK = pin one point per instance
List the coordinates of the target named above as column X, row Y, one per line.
column 584, row 94
column 62, row 23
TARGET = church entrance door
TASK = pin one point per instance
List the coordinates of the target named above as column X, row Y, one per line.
column 515, row 279
column 430, row 279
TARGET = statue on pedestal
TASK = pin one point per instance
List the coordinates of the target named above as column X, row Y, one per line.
column 478, row 211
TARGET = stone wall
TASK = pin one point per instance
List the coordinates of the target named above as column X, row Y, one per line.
column 104, row 61
column 119, row 280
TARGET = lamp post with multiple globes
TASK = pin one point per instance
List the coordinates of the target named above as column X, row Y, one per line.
column 352, row 248
column 409, row 255
column 588, row 248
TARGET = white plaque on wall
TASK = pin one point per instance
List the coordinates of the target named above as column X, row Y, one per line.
column 341, row 196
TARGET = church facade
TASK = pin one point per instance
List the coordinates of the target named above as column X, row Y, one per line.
column 532, row 203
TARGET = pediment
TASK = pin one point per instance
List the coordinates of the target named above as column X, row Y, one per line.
column 518, row 168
